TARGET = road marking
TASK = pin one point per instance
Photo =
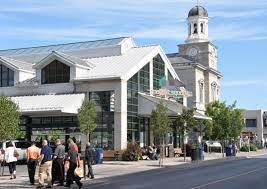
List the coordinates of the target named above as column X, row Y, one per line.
column 228, row 178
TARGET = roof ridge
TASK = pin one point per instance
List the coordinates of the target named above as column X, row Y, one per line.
column 1, row 50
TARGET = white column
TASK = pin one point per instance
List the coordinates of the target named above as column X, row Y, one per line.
column 120, row 117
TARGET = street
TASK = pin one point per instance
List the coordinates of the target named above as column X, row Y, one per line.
column 245, row 174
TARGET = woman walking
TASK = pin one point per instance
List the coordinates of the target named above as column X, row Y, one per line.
column 11, row 158
column 72, row 158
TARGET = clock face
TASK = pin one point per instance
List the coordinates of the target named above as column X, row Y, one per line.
column 192, row 52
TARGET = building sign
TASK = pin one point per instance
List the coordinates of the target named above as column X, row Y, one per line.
column 172, row 92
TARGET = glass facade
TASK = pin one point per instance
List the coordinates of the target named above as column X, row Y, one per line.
column 6, row 76
column 158, row 72
column 139, row 82
column 103, row 136
column 55, row 72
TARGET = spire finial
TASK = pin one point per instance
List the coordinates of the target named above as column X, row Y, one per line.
column 197, row 2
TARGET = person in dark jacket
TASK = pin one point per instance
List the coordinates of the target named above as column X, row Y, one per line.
column 58, row 163
column 89, row 157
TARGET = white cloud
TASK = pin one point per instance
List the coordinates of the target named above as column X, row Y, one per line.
column 237, row 83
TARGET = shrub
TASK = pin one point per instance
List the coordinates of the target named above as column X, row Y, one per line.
column 253, row 147
column 132, row 153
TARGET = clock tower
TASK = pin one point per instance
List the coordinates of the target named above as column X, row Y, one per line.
column 196, row 61
column 198, row 45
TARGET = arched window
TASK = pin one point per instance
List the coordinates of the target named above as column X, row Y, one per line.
column 214, row 91
column 189, row 29
column 6, row 76
column 195, row 28
column 202, row 27
column 201, row 91
column 55, row 72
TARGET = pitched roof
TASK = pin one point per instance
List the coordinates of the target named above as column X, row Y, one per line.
column 117, row 66
column 20, row 65
column 173, row 108
column 70, row 59
column 64, row 103
column 63, row 47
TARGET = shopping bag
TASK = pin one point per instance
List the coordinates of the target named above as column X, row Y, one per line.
column 79, row 172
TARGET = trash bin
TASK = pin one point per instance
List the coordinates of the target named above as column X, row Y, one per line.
column 99, row 155
column 201, row 153
column 194, row 154
column 228, row 151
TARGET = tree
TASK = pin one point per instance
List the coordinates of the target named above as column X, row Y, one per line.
column 227, row 121
column 184, row 123
column 161, row 125
column 87, row 118
column 9, row 119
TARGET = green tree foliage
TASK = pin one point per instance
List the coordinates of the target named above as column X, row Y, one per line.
column 227, row 121
column 87, row 117
column 9, row 119
column 185, row 122
column 160, row 122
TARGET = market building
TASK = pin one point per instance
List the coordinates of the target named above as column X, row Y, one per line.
column 49, row 84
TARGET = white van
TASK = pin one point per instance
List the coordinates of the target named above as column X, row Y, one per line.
column 21, row 146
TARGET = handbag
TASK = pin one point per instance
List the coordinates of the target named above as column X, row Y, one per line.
column 78, row 171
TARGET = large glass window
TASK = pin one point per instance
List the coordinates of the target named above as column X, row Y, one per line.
column 251, row 122
column 103, row 136
column 56, row 72
column 6, row 76
column 158, row 71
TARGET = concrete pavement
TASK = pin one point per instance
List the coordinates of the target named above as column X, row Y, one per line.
column 119, row 168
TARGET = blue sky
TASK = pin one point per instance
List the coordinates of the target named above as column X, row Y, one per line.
column 238, row 27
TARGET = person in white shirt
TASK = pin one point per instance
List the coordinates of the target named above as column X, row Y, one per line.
column 11, row 159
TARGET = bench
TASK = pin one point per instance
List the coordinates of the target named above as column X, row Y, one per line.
column 112, row 154
column 178, row 152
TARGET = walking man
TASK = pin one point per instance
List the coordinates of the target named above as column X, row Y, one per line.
column 58, row 163
column 45, row 165
column 89, row 157
column 33, row 153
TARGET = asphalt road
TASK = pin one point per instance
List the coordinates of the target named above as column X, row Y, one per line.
column 237, row 174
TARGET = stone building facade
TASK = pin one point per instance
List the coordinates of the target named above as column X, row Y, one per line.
column 196, row 61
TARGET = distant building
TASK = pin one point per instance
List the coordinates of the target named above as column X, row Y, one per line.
column 256, row 125
column 196, row 61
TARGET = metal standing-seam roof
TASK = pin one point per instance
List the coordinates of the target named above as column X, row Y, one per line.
column 63, row 47
column 63, row 103
column 117, row 66
column 17, row 64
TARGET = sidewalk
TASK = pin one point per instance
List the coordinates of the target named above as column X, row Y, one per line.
column 117, row 168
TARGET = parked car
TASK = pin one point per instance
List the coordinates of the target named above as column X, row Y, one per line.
column 21, row 146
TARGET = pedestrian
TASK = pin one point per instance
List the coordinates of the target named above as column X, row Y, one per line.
column 73, row 159
column 89, row 157
column 75, row 146
column 45, row 165
column 11, row 155
column 58, row 163
column 33, row 154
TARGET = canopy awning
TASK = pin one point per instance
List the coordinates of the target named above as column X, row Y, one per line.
column 147, row 103
column 61, row 103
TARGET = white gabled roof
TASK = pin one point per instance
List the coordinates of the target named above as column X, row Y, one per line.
column 16, row 64
column 63, row 103
column 126, row 65
column 67, row 59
